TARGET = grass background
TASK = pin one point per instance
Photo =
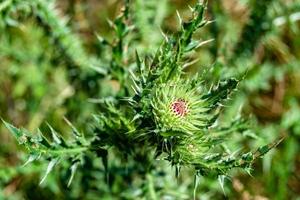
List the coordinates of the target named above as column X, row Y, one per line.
column 42, row 81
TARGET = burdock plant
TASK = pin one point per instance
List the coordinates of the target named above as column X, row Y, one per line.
column 159, row 113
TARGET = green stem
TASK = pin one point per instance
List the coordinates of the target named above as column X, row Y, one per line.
column 65, row 151
column 151, row 187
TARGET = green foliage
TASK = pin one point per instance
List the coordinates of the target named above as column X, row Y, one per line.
column 254, row 29
column 151, row 115
column 38, row 146
column 54, row 26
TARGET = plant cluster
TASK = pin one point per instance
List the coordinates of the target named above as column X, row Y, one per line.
column 149, row 110
column 177, row 117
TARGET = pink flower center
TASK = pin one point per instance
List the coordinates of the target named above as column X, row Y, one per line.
column 179, row 107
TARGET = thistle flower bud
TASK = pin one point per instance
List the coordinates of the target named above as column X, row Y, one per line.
column 178, row 109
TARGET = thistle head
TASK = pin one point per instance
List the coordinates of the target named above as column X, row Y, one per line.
column 178, row 109
column 189, row 150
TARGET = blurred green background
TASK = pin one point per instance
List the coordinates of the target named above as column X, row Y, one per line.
column 45, row 76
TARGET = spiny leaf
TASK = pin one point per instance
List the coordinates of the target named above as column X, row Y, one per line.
column 188, row 28
column 196, row 183
column 264, row 149
column 73, row 171
column 221, row 179
column 50, row 167
column 16, row 132
column 221, row 92
column 57, row 138
column 43, row 140
column 32, row 157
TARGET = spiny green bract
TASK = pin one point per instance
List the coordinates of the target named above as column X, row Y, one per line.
column 180, row 107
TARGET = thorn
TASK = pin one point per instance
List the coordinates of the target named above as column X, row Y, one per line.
column 191, row 8
column 190, row 63
column 30, row 159
column 54, row 134
column 51, row 164
column 196, row 183
column 179, row 18
column 73, row 170
column 204, row 43
column 164, row 35
column 110, row 23
column 210, row 21
column 221, row 179
column 134, row 90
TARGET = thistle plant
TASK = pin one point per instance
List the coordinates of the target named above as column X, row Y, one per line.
column 160, row 113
